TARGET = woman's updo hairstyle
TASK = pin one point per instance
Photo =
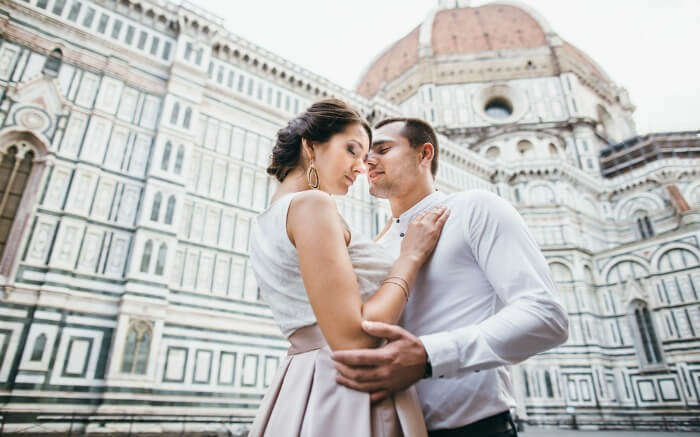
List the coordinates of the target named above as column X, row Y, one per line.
column 317, row 124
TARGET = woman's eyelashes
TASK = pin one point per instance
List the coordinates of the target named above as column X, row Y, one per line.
column 351, row 149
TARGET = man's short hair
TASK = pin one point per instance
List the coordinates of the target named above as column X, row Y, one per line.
column 417, row 132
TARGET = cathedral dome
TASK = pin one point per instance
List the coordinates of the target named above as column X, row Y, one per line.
column 453, row 31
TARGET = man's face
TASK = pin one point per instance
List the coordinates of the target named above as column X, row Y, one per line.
column 392, row 163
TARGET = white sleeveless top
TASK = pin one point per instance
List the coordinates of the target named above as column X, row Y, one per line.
column 276, row 265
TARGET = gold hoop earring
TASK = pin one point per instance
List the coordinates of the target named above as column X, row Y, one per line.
column 312, row 177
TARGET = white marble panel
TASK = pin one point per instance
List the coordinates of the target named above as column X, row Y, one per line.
column 108, row 98
column 88, row 89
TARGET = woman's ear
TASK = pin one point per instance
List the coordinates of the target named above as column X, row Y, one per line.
column 308, row 149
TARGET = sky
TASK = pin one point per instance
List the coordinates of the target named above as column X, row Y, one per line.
column 650, row 47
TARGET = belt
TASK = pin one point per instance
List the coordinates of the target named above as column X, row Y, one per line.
column 305, row 339
column 500, row 422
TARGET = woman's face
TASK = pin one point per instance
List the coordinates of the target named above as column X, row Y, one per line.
column 341, row 159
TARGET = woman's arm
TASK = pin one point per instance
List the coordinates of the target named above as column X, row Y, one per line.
column 315, row 228
column 384, row 231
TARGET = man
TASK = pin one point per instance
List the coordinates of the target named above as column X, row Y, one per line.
column 483, row 301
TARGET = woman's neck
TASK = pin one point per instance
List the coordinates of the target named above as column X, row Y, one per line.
column 294, row 181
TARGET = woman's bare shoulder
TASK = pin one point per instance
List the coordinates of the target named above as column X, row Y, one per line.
column 312, row 211
column 310, row 202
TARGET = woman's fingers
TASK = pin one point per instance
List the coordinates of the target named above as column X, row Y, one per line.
column 418, row 217
column 443, row 217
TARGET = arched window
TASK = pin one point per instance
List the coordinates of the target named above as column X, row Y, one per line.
column 493, row 152
column 644, row 228
column 170, row 210
column 155, row 210
column 548, row 384
column 525, row 148
column 146, row 257
column 53, row 63
column 160, row 262
column 38, row 349
column 561, row 272
column 607, row 125
column 179, row 158
column 15, row 167
column 165, row 162
column 188, row 118
column 175, row 114
column 677, row 259
column 647, row 344
column 136, row 348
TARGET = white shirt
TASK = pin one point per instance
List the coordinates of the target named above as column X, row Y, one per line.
column 484, row 300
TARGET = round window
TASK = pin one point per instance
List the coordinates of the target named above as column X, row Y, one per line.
column 498, row 107
column 493, row 152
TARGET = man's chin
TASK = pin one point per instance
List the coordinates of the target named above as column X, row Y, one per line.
column 377, row 192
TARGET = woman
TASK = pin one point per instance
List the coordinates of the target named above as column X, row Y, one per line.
column 321, row 282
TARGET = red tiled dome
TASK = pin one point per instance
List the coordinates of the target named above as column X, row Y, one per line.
column 457, row 31
column 486, row 28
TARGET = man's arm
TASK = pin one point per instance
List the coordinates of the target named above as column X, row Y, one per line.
column 531, row 321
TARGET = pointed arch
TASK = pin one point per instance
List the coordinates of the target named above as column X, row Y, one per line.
column 160, row 261
column 646, row 340
column 179, row 159
column 170, row 210
column 677, row 258
column 137, row 348
column 188, row 118
column 155, row 209
column 38, row 348
column 22, row 160
column 561, row 272
column 146, row 256
column 53, row 63
column 165, row 160
column 175, row 114
column 616, row 268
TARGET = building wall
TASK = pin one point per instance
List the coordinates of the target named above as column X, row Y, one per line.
column 127, row 289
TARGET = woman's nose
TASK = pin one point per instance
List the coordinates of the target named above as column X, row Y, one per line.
column 360, row 168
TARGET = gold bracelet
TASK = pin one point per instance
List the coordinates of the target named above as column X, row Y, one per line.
column 400, row 285
column 405, row 282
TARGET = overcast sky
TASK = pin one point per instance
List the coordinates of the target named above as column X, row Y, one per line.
column 651, row 47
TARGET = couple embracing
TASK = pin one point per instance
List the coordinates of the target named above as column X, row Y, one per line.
column 406, row 335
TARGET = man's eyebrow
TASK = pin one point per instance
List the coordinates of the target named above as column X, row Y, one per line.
column 379, row 142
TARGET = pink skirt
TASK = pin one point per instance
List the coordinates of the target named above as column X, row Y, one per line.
column 304, row 399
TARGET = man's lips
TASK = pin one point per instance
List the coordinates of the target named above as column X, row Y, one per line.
column 375, row 174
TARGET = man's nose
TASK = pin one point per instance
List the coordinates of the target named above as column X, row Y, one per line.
column 370, row 161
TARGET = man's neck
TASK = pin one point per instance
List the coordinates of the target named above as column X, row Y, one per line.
column 401, row 204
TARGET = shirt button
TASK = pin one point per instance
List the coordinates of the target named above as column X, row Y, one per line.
column 398, row 220
column 402, row 234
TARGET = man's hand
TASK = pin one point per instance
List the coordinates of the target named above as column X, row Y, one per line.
column 390, row 368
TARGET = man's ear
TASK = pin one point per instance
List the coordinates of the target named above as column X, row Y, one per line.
column 427, row 154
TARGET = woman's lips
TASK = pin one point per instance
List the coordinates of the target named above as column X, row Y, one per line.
column 350, row 180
